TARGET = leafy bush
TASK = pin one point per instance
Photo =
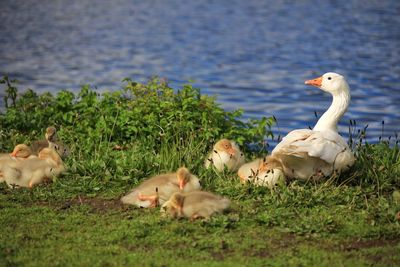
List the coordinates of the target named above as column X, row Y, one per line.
column 158, row 128
column 151, row 112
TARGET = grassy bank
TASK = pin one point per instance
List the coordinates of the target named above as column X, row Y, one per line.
column 119, row 138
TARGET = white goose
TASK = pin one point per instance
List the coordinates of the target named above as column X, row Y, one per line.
column 319, row 152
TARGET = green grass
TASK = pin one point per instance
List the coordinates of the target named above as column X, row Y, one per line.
column 298, row 225
column 77, row 220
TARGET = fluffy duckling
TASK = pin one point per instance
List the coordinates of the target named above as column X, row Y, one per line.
column 20, row 151
column 159, row 189
column 263, row 172
column 195, row 204
column 225, row 153
column 33, row 171
column 270, row 173
column 51, row 141
column 249, row 170
column 50, row 137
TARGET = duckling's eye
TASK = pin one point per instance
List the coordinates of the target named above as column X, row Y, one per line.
column 329, row 78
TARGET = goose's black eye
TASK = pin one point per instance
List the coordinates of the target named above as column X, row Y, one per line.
column 329, row 78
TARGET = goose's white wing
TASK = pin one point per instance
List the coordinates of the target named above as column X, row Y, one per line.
column 313, row 151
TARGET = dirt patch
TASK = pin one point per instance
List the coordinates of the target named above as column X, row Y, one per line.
column 284, row 241
column 221, row 252
column 273, row 244
column 384, row 258
column 97, row 204
column 259, row 253
column 361, row 244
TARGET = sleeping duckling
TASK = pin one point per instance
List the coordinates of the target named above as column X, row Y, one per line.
column 195, row 204
column 225, row 153
column 50, row 137
column 262, row 172
column 270, row 173
column 20, row 152
column 51, row 141
column 159, row 189
column 249, row 170
column 33, row 171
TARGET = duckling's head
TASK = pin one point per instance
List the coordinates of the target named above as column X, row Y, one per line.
column 226, row 146
column 50, row 133
column 173, row 207
column 61, row 149
column 186, row 178
column 269, row 163
column 21, row 151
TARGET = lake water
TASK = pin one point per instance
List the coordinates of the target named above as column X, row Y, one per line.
column 252, row 54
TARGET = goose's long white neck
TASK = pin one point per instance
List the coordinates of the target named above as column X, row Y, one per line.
column 331, row 117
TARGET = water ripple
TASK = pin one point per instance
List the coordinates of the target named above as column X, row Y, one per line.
column 253, row 54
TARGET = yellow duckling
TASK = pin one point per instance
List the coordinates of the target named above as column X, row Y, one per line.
column 20, row 152
column 51, row 141
column 270, row 173
column 249, row 170
column 263, row 172
column 159, row 189
column 195, row 204
column 32, row 171
column 225, row 153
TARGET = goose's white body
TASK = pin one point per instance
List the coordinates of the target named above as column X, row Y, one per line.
column 319, row 152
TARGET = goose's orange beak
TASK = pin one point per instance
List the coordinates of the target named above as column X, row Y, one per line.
column 315, row 82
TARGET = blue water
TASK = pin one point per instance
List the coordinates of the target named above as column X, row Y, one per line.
column 252, row 54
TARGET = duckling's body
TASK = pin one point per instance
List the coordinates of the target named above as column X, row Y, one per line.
column 263, row 172
column 248, row 170
column 33, row 170
column 51, row 141
column 159, row 189
column 20, row 152
column 269, row 178
column 227, row 154
column 195, row 204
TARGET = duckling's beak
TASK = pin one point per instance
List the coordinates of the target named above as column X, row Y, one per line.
column 13, row 154
column 182, row 184
column 315, row 82
column 231, row 151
